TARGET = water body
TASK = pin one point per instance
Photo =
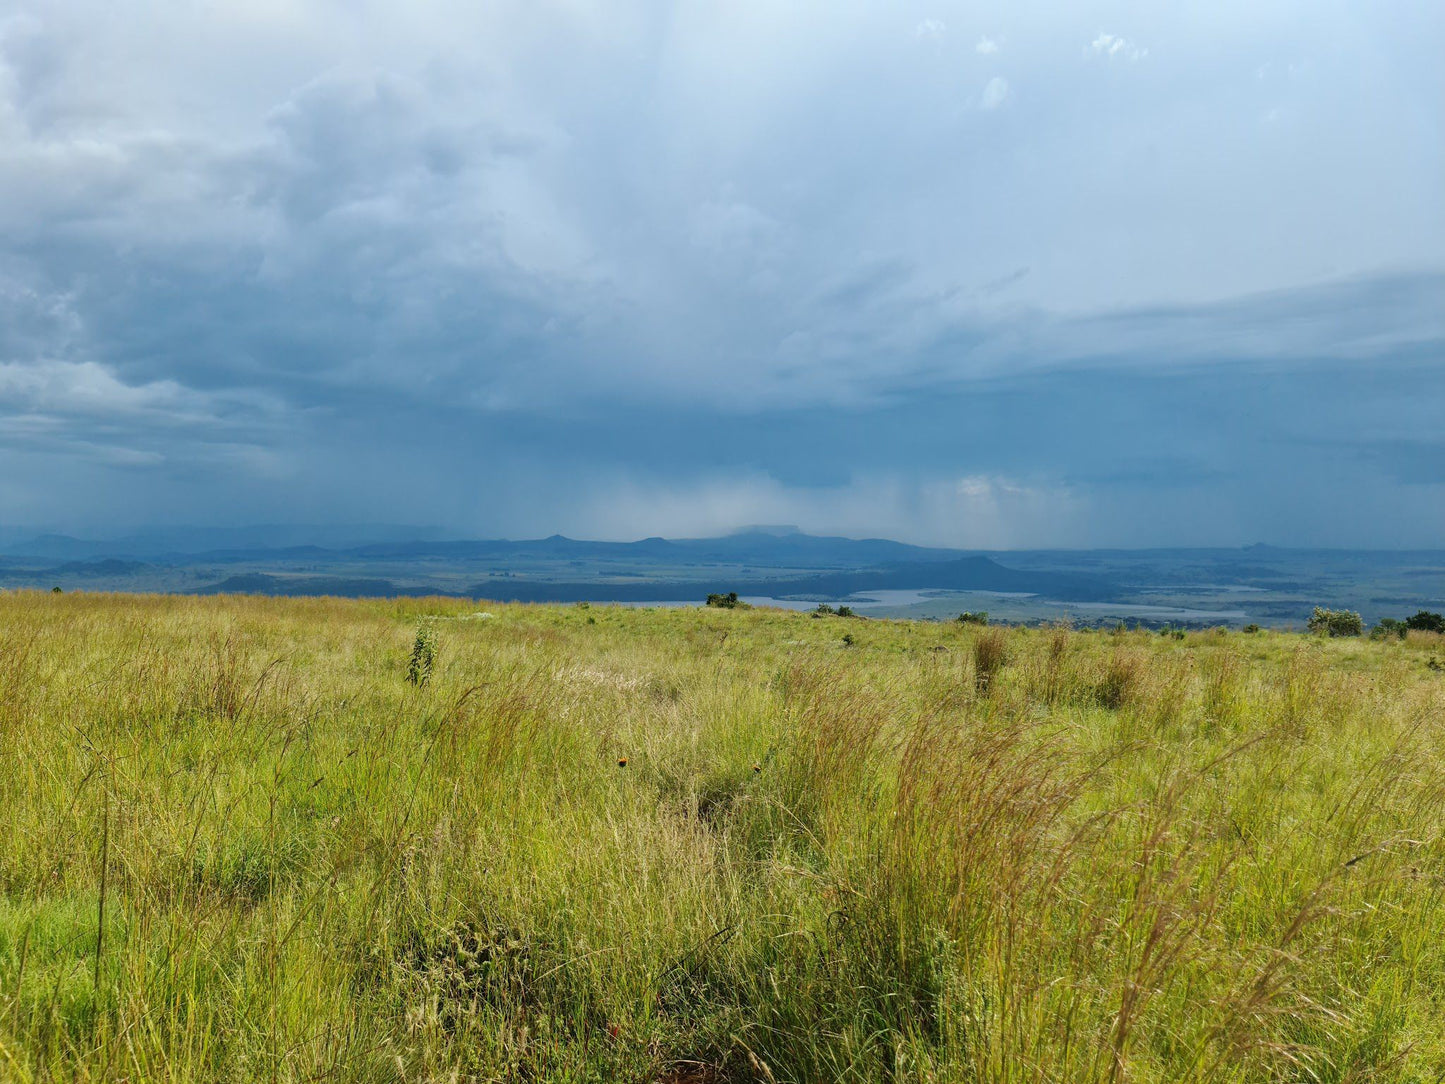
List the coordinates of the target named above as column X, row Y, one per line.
column 751, row 600
column 897, row 603
column 1168, row 613
column 890, row 598
column 1206, row 588
column 914, row 596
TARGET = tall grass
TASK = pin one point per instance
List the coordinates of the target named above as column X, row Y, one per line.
column 237, row 843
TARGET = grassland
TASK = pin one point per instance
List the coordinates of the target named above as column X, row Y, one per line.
column 236, row 844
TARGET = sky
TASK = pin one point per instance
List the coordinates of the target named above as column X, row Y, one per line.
column 987, row 275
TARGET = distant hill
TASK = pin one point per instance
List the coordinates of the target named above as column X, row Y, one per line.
column 60, row 547
column 161, row 542
column 774, row 547
column 554, row 546
column 110, row 566
column 1199, row 585
column 260, row 583
column 802, row 550
column 763, row 547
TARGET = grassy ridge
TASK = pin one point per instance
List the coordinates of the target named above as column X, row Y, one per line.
column 236, row 844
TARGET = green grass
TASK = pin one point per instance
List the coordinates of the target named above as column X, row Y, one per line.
column 942, row 853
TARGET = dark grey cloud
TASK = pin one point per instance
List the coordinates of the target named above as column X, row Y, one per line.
column 1012, row 274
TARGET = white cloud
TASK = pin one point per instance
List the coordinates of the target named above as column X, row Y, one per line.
column 931, row 29
column 90, row 389
column 986, row 46
column 1112, row 46
column 995, row 93
column 726, row 225
column 52, row 397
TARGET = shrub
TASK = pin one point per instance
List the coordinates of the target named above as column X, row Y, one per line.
column 970, row 617
column 423, row 655
column 845, row 611
column 848, row 640
column 823, row 610
column 1425, row 621
column 1336, row 622
column 1251, row 628
column 729, row 601
column 1388, row 627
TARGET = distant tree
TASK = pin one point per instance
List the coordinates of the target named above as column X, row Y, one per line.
column 1388, row 627
column 1250, row 628
column 973, row 617
column 1336, row 622
column 729, row 601
column 824, row 610
column 1426, row 621
column 845, row 611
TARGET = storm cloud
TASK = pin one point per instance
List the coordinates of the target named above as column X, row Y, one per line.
column 976, row 275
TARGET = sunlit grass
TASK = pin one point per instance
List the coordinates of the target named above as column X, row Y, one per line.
column 622, row 845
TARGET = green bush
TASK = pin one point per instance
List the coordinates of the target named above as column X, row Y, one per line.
column 970, row 617
column 729, row 601
column 1386, row 628
column 1425, row 621
column 1336, row 622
